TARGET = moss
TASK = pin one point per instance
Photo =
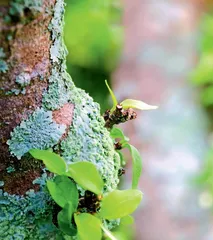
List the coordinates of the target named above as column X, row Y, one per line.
column 38, row 131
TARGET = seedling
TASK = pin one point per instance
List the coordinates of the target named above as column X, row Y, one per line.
column 63, row 189
column 122, row 112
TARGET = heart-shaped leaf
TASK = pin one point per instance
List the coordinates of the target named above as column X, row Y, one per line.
column 52, row 161
column 136, row 165
column 88, row 226
column 118, row 204
column 131, row 103
column 87, row 176
column 118, row 133
column 63, row 190
column 64, row 220
column 114, row 100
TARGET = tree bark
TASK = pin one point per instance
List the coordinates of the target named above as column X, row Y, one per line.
column 41, row 108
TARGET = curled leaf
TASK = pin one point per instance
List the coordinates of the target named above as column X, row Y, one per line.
column 118, row 133
column 136, row 165
column 131, row 103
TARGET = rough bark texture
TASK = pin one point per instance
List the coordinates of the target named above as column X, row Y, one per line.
column 41, row 108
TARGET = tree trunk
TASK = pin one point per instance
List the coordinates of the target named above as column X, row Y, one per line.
column 41, row 108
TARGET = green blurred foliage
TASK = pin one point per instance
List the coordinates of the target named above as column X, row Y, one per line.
column 202, row 76
column 94, row 37
column 206, row 176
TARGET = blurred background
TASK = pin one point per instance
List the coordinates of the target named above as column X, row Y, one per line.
column 160, row 52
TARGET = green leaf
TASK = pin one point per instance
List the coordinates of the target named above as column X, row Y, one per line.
column 108, row 233
column 53, row 162
column 114, row 100
column 131, row 103
column 118, row 204
column 87, row 176
column 127, row 220
column 63, row 190
column 89, row 227
column 118, row 133
column 65, row 218
column 136, row 165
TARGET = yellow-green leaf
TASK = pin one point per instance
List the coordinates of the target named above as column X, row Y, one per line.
column 87, row 176
column 118, row 204
column 114, row 100
column 127, row 220
column 88, row 227
column 118, row 133
column 63, row 190
column 131, row 103
column 64, row 220
column 136, row 165
column 52, row 161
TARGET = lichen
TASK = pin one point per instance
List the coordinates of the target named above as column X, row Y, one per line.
column 38, row 131
column 10, row 169
column 26, row 217
column 3, row 64
column 23, row 79
column 2, row 54
column 17, row 7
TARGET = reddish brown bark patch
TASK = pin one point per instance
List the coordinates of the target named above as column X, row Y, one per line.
column 20, row 183
column 64, row 115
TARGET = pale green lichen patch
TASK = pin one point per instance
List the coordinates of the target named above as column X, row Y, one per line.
column 38, row 131
column 23, row 79
column 26, row 217
column 88, row 140
column 58, row 92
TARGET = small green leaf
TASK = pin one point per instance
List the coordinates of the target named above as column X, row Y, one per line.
column 114, row 100
column 88, row 226
column 118, row 204
column 131, row 103
column 53, row 162
column 136, row 165
column 118, row 133
column 87, row 176
column 63, row 190
column 127, row 220
column 108, row 233
column 64, row 220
